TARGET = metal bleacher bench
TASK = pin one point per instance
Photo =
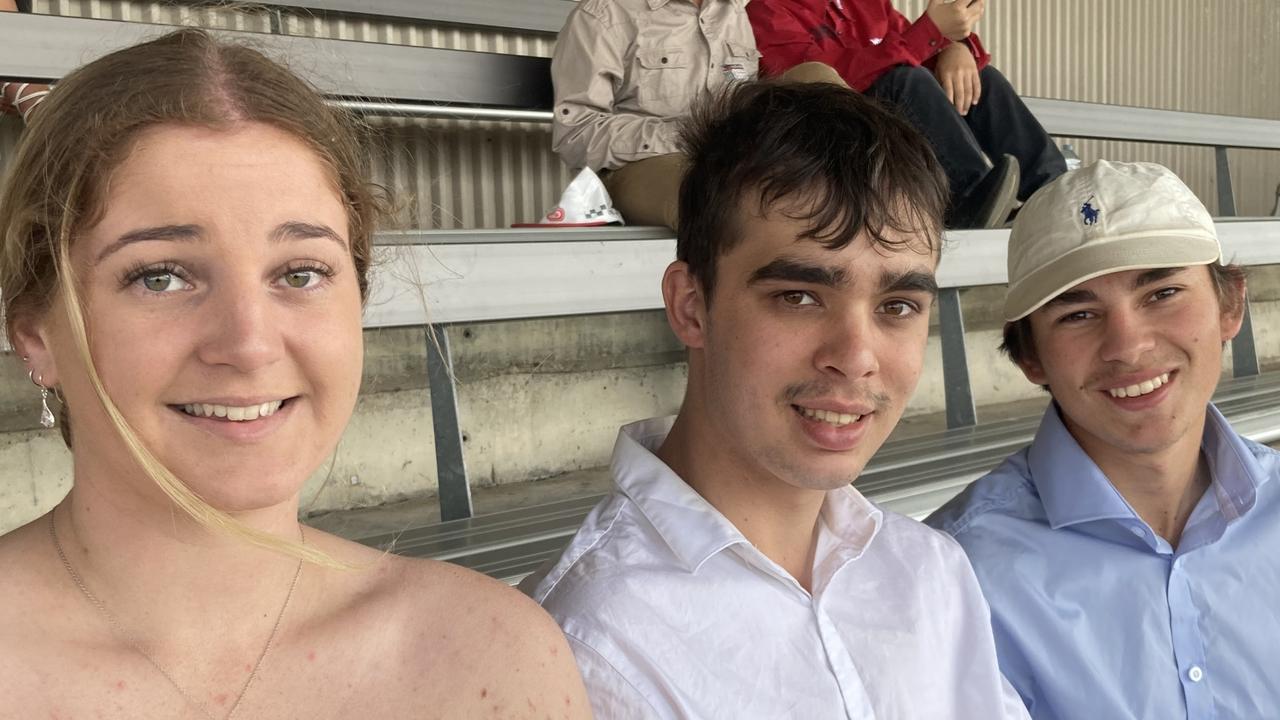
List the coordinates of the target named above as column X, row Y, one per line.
column 486, row 275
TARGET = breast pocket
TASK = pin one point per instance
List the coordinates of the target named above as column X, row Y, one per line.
column 742, row 62
column 665, row 83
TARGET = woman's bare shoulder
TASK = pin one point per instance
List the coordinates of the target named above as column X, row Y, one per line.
column 489, row 650
column 28, row 565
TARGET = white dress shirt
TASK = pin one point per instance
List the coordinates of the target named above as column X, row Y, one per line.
column 672, row 613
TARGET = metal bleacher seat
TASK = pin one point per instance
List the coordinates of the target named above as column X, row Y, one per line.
column 440, row 277
column 912, row 476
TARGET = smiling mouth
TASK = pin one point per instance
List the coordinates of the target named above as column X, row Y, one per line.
column 1139, row 389
column 827, row 416
column 232, row 413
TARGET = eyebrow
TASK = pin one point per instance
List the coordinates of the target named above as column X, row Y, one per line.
column 183, row 233
column 290, row 230
column 1156, row 275
column 296, row 230
column 1075, row 297
column 909, row 281
column 789, row 270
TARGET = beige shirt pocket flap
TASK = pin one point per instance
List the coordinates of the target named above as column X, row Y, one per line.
column 662, row 58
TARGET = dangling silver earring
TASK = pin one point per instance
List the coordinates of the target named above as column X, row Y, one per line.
column 46, row 415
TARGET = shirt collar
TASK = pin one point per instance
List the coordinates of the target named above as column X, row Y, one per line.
column 1234, row 468
column 692, row 527
column 1074, row 489
column 1071, row 486
column 655, row 4
column 852, row 519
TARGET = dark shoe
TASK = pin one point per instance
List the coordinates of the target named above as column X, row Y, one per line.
column 988, row 203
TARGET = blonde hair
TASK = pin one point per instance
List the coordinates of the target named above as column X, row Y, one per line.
column 83, row 132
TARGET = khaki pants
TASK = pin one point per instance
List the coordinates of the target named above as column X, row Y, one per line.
column 647, row 192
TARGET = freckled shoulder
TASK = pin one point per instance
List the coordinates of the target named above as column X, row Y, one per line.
column 506, row 656
column 35, row 613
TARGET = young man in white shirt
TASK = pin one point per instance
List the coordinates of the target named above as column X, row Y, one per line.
column 733, row 572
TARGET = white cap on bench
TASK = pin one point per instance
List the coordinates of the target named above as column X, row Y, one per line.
column 1102, row 218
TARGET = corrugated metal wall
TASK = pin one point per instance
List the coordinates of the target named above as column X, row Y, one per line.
column 1218, row 57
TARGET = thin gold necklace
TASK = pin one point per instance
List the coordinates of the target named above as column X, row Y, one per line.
column 118, row 630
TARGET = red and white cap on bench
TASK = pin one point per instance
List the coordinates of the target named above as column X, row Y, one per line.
column 1102, row 218
column 585, row 203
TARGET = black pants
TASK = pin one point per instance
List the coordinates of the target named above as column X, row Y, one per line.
column 1000, row 123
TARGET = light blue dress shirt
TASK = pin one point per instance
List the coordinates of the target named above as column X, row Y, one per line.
column 1096, row 616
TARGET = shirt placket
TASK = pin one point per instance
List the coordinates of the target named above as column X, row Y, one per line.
column 1188, row 644
column 706, row 29
column 857, row 703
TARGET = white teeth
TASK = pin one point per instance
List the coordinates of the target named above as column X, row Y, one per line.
column 1141, row 388
column 837, row 419
column 233, row 413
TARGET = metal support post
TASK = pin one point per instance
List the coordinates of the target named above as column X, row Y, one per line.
column 955, row 366
column 451, row 469
column 1226, row 197
column 1244, row 354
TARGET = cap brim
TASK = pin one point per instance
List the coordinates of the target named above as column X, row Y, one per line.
column 1093, row 260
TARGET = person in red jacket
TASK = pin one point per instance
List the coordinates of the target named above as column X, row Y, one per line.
column 938, row 74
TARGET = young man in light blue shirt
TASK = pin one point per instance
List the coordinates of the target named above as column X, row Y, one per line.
column 1129, row 553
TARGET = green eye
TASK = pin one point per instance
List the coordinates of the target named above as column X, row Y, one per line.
column 299, row 279
column 157, row 282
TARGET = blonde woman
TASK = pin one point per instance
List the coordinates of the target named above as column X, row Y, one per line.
column 186, row 234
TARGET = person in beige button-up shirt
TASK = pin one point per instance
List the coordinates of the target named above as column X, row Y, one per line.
column 625, row 73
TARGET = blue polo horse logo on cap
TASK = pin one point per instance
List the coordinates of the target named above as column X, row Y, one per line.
column 1089, row 212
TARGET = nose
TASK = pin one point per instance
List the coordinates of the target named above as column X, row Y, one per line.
column 1126, row 338
column 243, row 329
column 848, row 347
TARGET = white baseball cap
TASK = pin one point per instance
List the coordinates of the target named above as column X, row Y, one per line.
column 1102, row 218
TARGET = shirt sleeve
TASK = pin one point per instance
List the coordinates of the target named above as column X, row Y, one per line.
column 976, row 49
column 611, row 694
column 586, row 69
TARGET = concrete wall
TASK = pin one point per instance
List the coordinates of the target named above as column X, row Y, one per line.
column 536, row 398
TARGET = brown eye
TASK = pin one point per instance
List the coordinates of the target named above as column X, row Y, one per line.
column 899, row 308
column 798, row 297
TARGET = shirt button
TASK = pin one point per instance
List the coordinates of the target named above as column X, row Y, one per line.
column 664, row 61
column 1195, row 674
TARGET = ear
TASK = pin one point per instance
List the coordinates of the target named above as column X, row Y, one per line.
column 1233, row 312
column 29, row 335
column 686, row 307
column 1033, row 371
